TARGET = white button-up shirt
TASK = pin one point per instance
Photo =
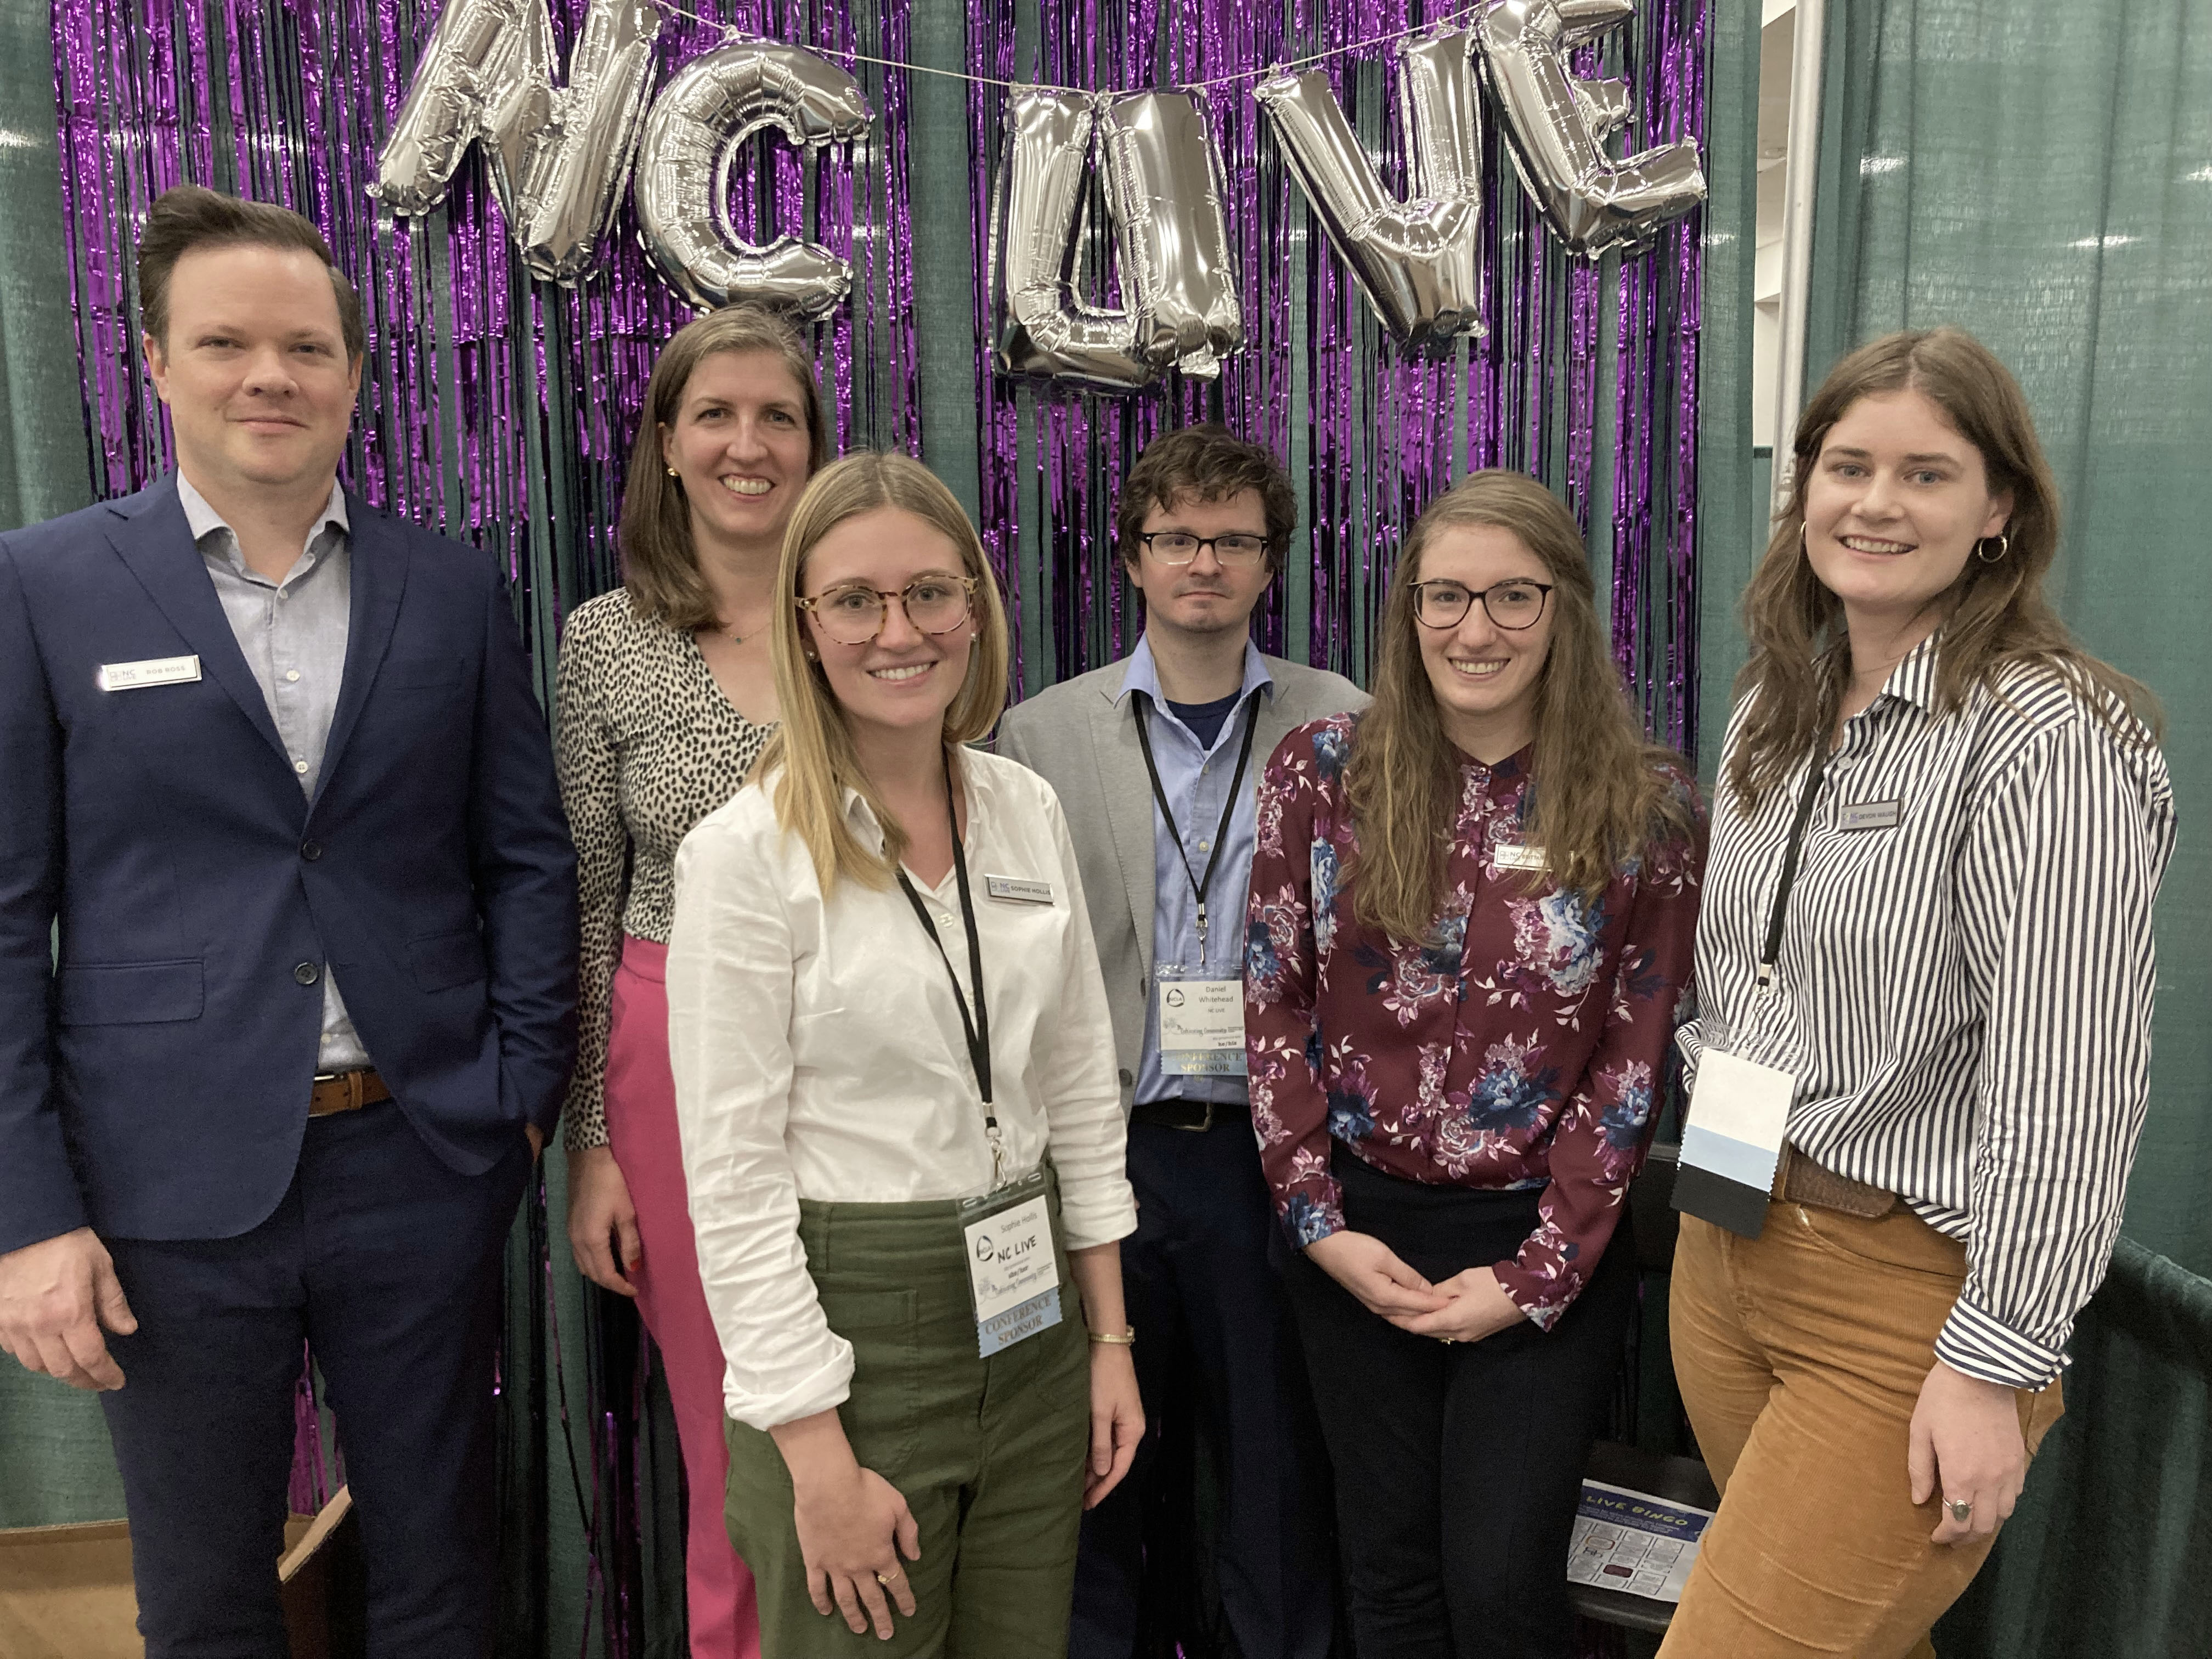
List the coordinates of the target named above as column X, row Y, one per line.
column 818, row 1053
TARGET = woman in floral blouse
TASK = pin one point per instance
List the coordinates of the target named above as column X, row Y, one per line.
column 1470, row 922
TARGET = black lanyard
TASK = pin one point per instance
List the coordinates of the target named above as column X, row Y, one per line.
column 976, row 1029
column 1198, row 884
column 1772, row 952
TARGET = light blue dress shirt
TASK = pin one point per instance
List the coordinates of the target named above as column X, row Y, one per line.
column 1196, row 779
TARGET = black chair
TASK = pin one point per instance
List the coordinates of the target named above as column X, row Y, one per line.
column 1678, row 1479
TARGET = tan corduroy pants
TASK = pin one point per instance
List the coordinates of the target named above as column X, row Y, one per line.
column 1800, row 1354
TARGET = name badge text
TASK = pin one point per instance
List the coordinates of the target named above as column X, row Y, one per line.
column 152, row 671
column 1872, row 814
column 1508, row 856
column 1015, row 888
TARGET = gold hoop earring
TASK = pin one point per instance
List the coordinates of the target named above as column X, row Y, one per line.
column 1802, row 548
column 1982, row 552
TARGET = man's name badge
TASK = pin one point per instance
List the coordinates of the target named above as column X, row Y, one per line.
column 153, row 671
column 1013, row 1274
column 1015, row 888
column 1870, row 814
column 1732, row 1140
column 1202, row 1027
column 1510, row 855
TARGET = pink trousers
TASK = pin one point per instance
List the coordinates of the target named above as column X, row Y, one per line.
column 641, row 1126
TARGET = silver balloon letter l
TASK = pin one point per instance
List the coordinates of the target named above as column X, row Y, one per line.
column 1557, row 126
column 713, row 105
column 558, row 156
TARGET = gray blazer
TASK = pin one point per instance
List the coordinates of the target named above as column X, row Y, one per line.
column 1082, row 743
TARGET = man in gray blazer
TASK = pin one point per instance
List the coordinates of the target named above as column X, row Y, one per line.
column 1156, row 760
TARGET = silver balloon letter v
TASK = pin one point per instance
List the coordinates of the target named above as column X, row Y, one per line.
column 559, row 155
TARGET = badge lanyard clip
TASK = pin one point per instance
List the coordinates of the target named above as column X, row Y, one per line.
column 1199, row 884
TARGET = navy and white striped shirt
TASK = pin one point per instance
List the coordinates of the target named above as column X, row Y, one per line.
column 1964, row 998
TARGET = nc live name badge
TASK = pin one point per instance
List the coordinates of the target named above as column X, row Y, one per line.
column 150, row 671
column 1013, row 1273
column 1021, row 891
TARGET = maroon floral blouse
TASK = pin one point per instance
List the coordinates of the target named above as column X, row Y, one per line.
column 1520, row 1051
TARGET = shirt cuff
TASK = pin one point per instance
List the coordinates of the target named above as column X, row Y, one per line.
column 828, row 1386
column 1977, row 1344
column 1309, row 1218
column 1541, row 1301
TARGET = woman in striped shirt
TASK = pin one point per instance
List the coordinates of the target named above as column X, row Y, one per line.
column 1926, row 959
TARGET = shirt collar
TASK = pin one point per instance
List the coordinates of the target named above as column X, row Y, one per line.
column 203, row 518
column 1142, row 674
column 1913, row 679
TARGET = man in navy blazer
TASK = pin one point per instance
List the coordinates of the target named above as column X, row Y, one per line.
column 270, row 760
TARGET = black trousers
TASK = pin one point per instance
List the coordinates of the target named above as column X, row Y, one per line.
column 1458, row 1467
column 388, row 1262
column 1218, row 1362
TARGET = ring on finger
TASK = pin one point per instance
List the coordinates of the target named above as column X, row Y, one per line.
column 1961, row 1511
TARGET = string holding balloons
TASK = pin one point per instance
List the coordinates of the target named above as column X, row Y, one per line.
column 559, row 157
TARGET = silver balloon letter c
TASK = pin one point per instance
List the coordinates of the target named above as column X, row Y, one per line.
column 558, row 156
column 1558, row 125
column 713, row 105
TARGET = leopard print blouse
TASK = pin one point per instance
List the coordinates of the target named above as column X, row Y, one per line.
column 648, row 744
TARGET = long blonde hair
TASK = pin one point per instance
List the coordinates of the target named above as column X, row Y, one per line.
column 660, row 565
column 810, row 761
column 1599, row 798
column 1998, row 619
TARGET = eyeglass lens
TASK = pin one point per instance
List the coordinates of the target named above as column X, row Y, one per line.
column 853, row 616
column 1174, row 547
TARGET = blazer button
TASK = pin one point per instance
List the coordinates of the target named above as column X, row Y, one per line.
column 311, row 850
column 306, row 973
column 1127, row 1079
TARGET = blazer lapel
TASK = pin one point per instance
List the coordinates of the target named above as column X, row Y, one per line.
column 378, row 577
column 154, row 538
column 1129, row 795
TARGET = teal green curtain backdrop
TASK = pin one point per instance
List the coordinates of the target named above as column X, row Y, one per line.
column 2041, row 174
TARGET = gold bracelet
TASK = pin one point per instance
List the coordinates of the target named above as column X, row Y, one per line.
column 1127, row 1339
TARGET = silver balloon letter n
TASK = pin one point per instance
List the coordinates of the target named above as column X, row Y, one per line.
column 713, row 105
column 558, row 156
column 1557, row 123
column 1415, row 259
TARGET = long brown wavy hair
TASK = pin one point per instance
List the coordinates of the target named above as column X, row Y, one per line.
column 660, row 565
column 1995, row 618
column 810, row 761
column 1601, row 797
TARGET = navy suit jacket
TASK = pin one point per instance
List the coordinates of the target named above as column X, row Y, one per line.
column 154, row 1083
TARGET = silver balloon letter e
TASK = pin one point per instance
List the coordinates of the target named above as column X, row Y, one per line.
column 558, row 156
column 1557, row 126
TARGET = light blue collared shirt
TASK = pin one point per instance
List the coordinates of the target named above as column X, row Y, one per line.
column 293, row 634
column 1196, row 779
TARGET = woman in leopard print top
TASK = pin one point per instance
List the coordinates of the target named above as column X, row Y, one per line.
column 665, row 698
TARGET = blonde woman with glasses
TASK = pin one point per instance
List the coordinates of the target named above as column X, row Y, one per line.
column 901, row 1126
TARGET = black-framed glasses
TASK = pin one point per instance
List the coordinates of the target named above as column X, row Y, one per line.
column 1237, row 549
column 853, row 613
column 1512, row 606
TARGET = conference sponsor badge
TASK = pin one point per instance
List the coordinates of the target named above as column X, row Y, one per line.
column 1013, row 1270
column 1201, row 1025
column 152, row 671
column 1015, row 888
column 1732, row 1140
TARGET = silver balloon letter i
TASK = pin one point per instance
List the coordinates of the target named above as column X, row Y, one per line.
column 1415, row 259
column 1558, row 124
column 1162, row 183
column 558, row 156
column 713, row 105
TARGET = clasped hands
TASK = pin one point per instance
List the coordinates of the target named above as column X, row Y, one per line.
column 1465, row 1308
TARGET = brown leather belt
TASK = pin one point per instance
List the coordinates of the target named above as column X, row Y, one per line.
column 346, row 1091
column 1799, row 1180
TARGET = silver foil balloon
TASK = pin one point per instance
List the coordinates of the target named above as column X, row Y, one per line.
column 1043, row 328
column 713, row 103
column 1164, row 177
column 1417, row 260
column 1557, row 123
column 558, row 155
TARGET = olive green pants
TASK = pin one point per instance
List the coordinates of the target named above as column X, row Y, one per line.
column 988, row 1453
